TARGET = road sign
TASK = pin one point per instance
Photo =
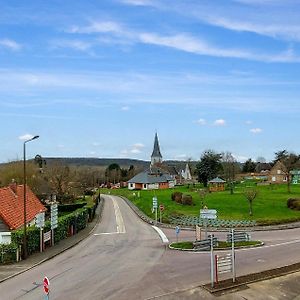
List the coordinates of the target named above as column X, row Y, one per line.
column 46, row 284
column 54, row 216
column 40, row 220
column 161, row 207
column 208, row 213
column 154, row 202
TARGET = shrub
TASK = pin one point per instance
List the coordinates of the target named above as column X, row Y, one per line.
column 293, row 203
column 187, row 199
column 177, row 197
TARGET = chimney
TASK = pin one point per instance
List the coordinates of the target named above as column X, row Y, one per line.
column 13, row 186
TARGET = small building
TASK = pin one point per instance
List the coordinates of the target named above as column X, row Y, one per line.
column 150, row 181
column 216, row 185
column 12, row 209
column 278, row 173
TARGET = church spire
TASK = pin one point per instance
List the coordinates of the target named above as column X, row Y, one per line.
column 156, row 156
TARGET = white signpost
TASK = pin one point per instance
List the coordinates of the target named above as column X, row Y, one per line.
column 155, row 206
column 226, row 263
column 40, row 222
column 207, row 214
column 54, row 217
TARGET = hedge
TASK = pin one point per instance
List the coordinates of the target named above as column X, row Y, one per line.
column 77, row 218
column 8, row 253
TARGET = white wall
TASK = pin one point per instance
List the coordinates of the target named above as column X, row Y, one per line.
column 5, row 237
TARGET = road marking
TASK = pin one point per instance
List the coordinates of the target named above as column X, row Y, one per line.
column 119, row 218
column 107, row 233
column 271, row 246
column 161, row 234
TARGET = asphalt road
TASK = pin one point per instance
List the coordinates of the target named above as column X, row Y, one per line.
column 124, row 258
column 118, row 254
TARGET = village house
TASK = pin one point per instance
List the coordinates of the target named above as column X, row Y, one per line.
column 278, row 173
column 12, row 209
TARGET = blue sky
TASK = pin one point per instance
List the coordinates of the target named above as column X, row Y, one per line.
column 98, row 78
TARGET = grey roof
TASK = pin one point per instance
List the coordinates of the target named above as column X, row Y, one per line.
column 156, row 150
column 217, row 180
column 146, row 177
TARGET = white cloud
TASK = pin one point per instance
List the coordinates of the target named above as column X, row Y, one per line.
column 138, row 145
column 10, row 44
column 183, row 41
column 26, row 136
column 95, row 144
column 137, row 2
column 72, row 44
column 248, row 122
column 256, row 130
column 125, row 108
column 220, row 122
column 92, row 152
column 97, row 27
column 201, row 122
column 135, row 151
column 60, row 146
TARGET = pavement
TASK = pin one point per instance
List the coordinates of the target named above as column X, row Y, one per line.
column 11, row 270
column 286, row 283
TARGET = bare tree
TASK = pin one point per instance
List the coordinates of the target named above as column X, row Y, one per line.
column 230, row 169
column 250, row 194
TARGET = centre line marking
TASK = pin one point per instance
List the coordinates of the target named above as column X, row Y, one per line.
column 119, row 218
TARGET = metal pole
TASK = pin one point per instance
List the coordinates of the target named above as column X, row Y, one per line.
column 205, row 221
column 156, row 216
column 211, row 261
column 233, row 255
column 24, row 194
column 160, row 215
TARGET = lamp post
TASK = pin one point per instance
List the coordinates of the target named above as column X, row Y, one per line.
column 24, row 190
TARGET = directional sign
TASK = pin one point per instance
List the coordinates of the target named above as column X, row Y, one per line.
column 154, row 202
column 40, row 220
column 54, row 216
column 46, row 284
column 208, row 213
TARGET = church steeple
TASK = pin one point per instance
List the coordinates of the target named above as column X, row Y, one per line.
column 156, row 156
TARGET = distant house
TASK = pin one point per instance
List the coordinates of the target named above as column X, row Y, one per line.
column 186, row 174
column 12, row 209
column 216, row 185
column 278, row 173
column 149, row 181
column 158, row 176
column 263, row 168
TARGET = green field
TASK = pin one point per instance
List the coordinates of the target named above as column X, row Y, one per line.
column 268, row 208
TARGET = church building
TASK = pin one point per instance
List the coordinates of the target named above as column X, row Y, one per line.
column 155, row 177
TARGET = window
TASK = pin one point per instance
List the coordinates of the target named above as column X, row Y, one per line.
column 278, row 172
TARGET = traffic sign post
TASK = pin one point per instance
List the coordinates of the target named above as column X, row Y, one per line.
column 207, row 214
column 161, row 209
column 54, row 217
column 154, row 206
column 40, row 222
column 46, row 284
column 177, row 230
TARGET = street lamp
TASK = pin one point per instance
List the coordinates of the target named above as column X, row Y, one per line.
column 24, row 169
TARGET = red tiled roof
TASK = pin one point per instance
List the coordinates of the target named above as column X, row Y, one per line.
column 12, row 206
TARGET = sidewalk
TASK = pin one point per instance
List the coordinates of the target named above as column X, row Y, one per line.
column 8, row 271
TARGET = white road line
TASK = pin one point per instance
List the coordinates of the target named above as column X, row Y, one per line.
column 161, row 234
column 119, row 218
column 107, row 233
column 270, row 246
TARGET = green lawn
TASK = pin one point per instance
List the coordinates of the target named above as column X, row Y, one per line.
column 268, row 208
column 222, row 245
